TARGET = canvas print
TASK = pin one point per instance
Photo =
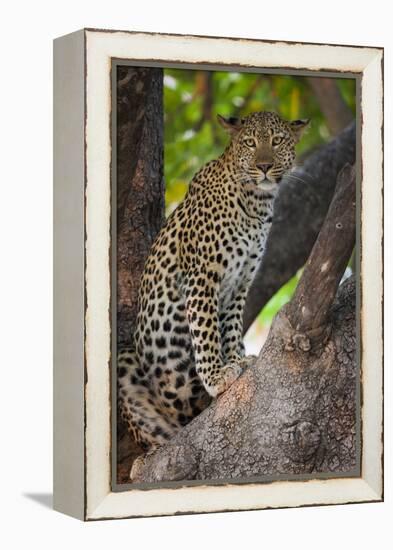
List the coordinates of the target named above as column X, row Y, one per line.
column 235, row 319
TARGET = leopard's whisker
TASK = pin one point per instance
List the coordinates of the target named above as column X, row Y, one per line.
column 296, row 177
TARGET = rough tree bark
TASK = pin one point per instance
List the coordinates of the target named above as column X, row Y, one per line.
column 299, row 211
column 140, row 202
column 140, row 186
column 294, row 411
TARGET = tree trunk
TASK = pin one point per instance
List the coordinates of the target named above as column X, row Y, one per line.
column 140, row 202
column 140, row 185
column 299, row 212
column 294, row 411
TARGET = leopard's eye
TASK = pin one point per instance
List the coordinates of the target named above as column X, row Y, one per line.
column 277, row 140
column 250, row 142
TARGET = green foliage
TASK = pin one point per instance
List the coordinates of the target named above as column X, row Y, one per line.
column 278, row 300
column 192, row 99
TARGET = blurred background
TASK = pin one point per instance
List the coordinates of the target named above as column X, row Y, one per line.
column 192, row 136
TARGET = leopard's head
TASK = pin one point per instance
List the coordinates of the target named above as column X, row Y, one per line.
column 263, row 146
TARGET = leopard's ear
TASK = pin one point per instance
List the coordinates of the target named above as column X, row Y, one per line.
column 231, row 124
column 298, row 127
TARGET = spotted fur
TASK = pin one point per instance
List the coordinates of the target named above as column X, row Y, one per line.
column 188, row 340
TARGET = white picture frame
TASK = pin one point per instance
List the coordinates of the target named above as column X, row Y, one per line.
column 82, row 335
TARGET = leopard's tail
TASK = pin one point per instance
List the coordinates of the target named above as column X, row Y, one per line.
column 137, row 404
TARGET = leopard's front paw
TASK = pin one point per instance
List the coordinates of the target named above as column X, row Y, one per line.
column 224, row 379
column 248, row 361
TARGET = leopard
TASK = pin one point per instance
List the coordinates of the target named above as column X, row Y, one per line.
column 188, row 341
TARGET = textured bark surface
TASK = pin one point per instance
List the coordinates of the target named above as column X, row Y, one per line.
column 294, row 410
column 291, row 413
column 140, row 204
column 299, row 212
column 140, row 186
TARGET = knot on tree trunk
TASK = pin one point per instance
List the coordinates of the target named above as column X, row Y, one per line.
column 300, row 440
column 312, row 340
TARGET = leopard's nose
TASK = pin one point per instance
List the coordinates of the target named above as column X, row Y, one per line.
column 265, row 167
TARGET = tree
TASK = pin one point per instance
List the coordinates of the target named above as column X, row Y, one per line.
column 140, row 202
column 302, row 387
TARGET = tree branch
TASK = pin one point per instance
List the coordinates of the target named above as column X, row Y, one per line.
column 337, row 113
column 308, row 311
column 299, row 211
